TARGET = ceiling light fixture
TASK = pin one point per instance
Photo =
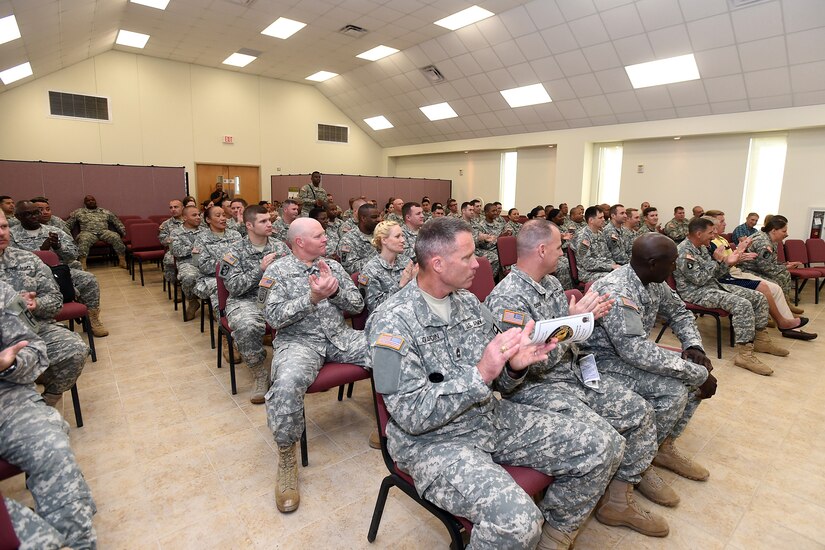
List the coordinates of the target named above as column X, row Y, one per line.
column 8, row 29
column 239, row 59
column 283, row 28
column 471, row 15
column 526, row 95
column 439, row 111
column 131, row 39
column 320, row 76
column 16, row 73
column 157, row 4
column 677, row 138
column 377, row 53
column 379, row 122
column 664, row 71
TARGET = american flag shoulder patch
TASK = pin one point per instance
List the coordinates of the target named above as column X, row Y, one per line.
column 585, row 242
column 230, row 259
column 267, row 282
column 390, row 341
column 363, row 279
column 513, row 317
column 689, row 257
column 629, row 303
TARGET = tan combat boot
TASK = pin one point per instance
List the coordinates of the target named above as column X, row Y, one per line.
column 618, row 507
column 97, row 327
column 771, row 323
column 261, row 376
column 553, row 539
column 121, row 259
column 375, row 440
column 236, row 355
column 794, row 308
column 763, row 344
column 82, row 260
column 654, row 488
column 747, row 360
column 51, row 399
column 193, row 304
column 287, row 496
column 671, row 458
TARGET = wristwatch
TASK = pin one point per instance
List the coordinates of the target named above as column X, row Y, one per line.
column 9, row 370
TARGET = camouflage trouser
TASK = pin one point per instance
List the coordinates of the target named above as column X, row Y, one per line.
column 188, row 277
column 33, row 437
column 207, row 288
column 673, row 402
column 87, row 288
column 613, row 407
column 248, row 327
column 580, row 456
column 492, row 257
column 563, row 273
column 591, row 276
column 748, row 309
column 85, row 240
column 32, row 531
column 67, row 354
column 169, row 266
column 294, row 368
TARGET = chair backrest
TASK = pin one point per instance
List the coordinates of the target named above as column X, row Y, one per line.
column 587, row 286
column 223, row 293
column 575, row 292
column 780, row 253
column 129, row 223
column 483, row 282
column 795, row 251
column 159, row 218
column 728, row 237
column 507, row 253
column 359, row 320
column 48, row 257
column 522, row 219
column 816, row 250
column 671, row 282
column 382, row 416
column 571, row 260
column 129, row 217
column 145, row 237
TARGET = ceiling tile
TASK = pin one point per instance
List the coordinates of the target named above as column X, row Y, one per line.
column 670, row 42
column 482, row 84
column 547, row 69
column 806, row 46
column 718, row 62
column 660, row 114
column 808, row 77
column 472, row 38
column 622, row 22
column 433, row 51
column 711, row 32
column 560, row 89
column 501, row 79
column 623, row 102
column 693, row 110
column 575, row 9
column 601, row 57
column 493, row 30
column 763, row 54
column 809, row 98
column 729, row 107
column 487, row 58
column 523, row 74
column 699, row 9
column 657, row 14
column 687, row 93
column 571, row 108
column 518, row 22
column 533, row 46
column 589, row 30
column 634, row 49
column 585, row 85
column 654, row 98
column 468, row 65
column 559, row 39
column 509, row 53
column 596, row 106
column 775, row 102
column 800, row 15
column 573, row 63
column 626, row 118
column 725, row 88
column 603, row 5
column 544, row 14
column 613, row 80
column 757, row 21
column 451, row 44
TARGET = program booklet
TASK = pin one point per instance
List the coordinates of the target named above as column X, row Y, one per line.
column 571, row 329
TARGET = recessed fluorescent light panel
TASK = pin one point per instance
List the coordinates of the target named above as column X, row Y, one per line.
column 16, row 73
column 471, row 15
column 239, row 59
column 320, row 76
column 439, row 111
column 377, row 53
column 157, row 4
column 526, row 95
column 132, row 39
column 663, row 71
column 283, row 28
column 378, row 122
column 8, row 29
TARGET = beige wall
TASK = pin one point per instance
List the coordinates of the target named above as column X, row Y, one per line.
column 169, row 113
column 804, row 185
column 474, row 175
column 535, row 178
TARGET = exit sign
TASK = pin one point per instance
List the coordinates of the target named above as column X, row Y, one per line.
column 229, row 140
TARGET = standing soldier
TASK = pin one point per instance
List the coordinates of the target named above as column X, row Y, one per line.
column 94, row 226
column 312, row 194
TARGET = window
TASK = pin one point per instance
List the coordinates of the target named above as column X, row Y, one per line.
column 607, row 176
column 507, row 182
column 763, row 177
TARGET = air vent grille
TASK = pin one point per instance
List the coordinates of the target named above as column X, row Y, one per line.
column 78, row 106
column 335, row 134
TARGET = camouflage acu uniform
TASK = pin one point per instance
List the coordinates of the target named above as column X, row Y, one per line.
column 450, row 433
column 512, row 227
column 380, row 279
column 332, row 241
column 489, row 250
column 308, row 195
column 643, row 228
column 677, row 229
column 280, row 230
column 207, row 251
column 165, row 236
column 54, row 221
column 409, row 241
column 621, row 344
column 85, row 283
column 307, row 336
column 355, row 250
column 563, row 273
column 94, row 226
column 696, row 280
column 34, row 437
column 241, row 273
column 593, row 259
column 616, row 239
column 183, row 241
column 767, row 264
column 393, row 217
column 232, row 223
column 13, row 221
column 557, row 385
column 346, row 227
column 25, row 272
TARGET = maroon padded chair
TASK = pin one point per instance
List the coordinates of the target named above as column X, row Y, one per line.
column 507, row 253
column 128, row 217
column 483, row 282
column 575, row 292
column 803, row 274
column 532, row 481
column 816, row 255
column 8, row 539
column 145, row 246
column 159, row 218
column 574, row 270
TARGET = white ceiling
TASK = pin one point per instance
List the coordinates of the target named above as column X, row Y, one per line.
column 765, row 55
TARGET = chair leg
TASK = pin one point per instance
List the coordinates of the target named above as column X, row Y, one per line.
column 661, row 332
column 87, row 328
column 78, row 416
column 718, row 336
column 211, row 325
column 349, row 389
column 816, row 290
column 341, row 392
column 304, row 448
column 380, row 502
column 220, row 351
column 203, row 315
column 231, row 349
column 175, row 300
column 71, row 325
column 140, row 265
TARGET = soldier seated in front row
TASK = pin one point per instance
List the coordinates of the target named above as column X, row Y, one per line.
column 94, row 226
column 183, row 240
column 437, row 360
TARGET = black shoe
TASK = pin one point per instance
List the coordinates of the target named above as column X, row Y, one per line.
column 798, row 334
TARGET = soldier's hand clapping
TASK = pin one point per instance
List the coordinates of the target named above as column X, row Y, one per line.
column 30, row 299
column 593, row 303
column 323, row 285
column 513, row 346
column 8, row 355
column 268, row 259
column 408, row 274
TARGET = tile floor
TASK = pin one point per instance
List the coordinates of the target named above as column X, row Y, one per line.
column 175, row 461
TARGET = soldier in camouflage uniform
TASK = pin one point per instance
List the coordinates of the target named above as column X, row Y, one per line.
column 559, row 384
column 437, row 360
column 237, row 207
column 312, row 194
column 631, row 226
column 677, row 228
column 183, row 241
column 46, row 216
column 650, row 221
column 575, row 221
column 280, row 226
column 593, row 258
column 513, row 224
column 33, row 279
column 165, row 237
column 322, row 215
column 396, row 213
column 413, row 220
column 453, row 210
column 697, row 274
column 489, row 228
column 241, row 271
column 35, row 438
column 94, row 226
column 208, row 249
column 355, row 247
column 31, row 235
column 672, row 384
column 306, row 301
column 766, row 261
column 7, row 207
column 615, row 235
column 388, row 271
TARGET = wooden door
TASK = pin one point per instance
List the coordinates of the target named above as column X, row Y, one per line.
column 250, row 180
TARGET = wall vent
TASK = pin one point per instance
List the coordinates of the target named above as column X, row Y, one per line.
column 432, row 74
column 78, row 106
column 332, row 133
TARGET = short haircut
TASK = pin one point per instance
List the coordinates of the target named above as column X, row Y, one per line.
column 465, row 204
column 591, row 212
column 648, row 210
column 263, row 203
column 450, row 201
column 532, row 234
column 510, row 212
column 315, row 211
column 425, row 199
column 437, row 236
column 190, row 208
column 287, row 202
column 240, row 200
column 630, row 211
column 678, row 208
column 40, row 199
column 250, row 212
column 752, row 214
column 475, row 202
column 316, row 172
column 4, row 197
column 714, row 213
column 381, row 230
column 699, row 224
column 405, row 210
column 615, row 208
column 551, row 214
column 489, row 207
column 497, row 203
column 365, row 208
column 438, row 207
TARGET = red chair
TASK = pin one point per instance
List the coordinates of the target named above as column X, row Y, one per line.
column 574, row 270
column 359, row 322
column 532, row 481
column 816, row 255
column 125, row 218
column 522, row 219
column 507, row 253
column 483, row 282
column 159, row 218
column 8, row 539
column 798, row 253
column 145, row 246
column 575, row 292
